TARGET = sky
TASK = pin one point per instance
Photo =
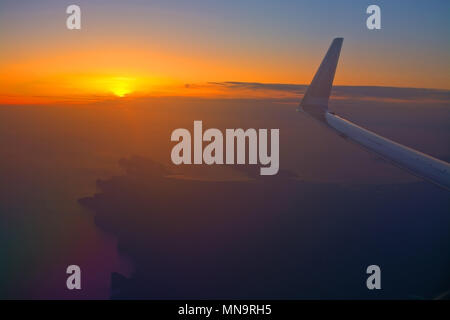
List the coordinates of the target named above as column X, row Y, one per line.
column 158, row 47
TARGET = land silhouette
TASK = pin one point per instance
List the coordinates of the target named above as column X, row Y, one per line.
column 266, row 237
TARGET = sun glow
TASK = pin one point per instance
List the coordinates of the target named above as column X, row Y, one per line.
column 121, row 92
column 121, row 86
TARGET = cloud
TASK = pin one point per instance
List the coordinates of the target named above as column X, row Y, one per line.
column 345, row 92
column 267, row 237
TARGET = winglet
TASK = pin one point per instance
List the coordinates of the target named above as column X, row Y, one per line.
column 315, row 100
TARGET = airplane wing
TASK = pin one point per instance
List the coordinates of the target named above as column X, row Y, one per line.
column 315, row 104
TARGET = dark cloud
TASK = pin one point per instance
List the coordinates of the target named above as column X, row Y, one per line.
column 271, row 237
column 355, row 92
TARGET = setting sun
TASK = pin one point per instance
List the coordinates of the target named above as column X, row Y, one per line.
column 122, row 86
column 121, row 92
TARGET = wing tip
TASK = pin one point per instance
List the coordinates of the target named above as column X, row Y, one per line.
column 315, row 100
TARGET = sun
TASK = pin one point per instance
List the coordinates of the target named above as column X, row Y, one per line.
column 120, row 92
column 121, row 86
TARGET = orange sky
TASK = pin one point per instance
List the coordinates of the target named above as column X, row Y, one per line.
column 157, row 51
